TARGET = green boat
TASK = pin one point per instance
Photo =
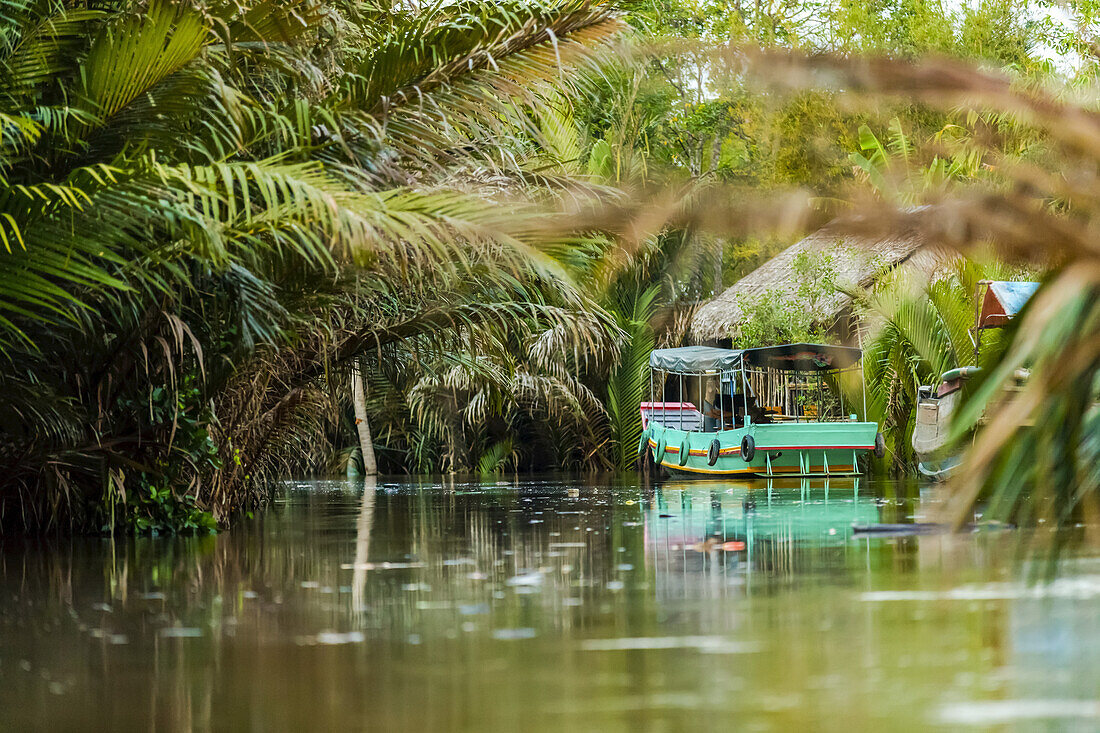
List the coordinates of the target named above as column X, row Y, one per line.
column 771, row 411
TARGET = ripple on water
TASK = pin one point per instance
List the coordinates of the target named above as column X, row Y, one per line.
column 708, row 644
column 999, row 712
column 514, row 634
column 455, row 612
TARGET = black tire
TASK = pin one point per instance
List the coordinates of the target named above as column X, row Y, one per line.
column 880, row 446
column 659, row 454
column 748, row 448
column 712, row 452
column 685, row 451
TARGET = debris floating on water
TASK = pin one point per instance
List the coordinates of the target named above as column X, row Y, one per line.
column 712, row 544
column 921, row 528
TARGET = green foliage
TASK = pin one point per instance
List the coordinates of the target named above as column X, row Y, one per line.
column 706, row 120
column 628, row 385
column 447, row 401
column 924, row 333
column 1037, row 458
column 208, row 209
column 785, row 315
column 494, row 459
column 155, row 502
column 742, row 256
column 901, row 170
column 773, row 317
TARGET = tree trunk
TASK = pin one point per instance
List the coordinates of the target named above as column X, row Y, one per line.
column 359, row 401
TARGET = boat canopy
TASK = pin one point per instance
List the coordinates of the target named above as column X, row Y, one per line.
column 787, row 357
column 1003, row 300
column 695, row 359
column 802, row 357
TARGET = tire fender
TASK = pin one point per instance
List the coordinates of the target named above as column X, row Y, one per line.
column 685, row 449
column 659, row 453
column 748, row 448
column 880, row 446
column 713, row 451
column 643, row 442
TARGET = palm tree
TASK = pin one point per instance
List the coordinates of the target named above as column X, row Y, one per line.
column 200, row 199
column 921, row 332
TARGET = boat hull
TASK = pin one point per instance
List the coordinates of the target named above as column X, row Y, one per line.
column 783, row 449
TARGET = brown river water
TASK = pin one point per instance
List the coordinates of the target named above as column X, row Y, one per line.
column 552, row 605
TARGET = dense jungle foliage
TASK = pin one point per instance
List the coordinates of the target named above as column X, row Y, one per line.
column 212, row 211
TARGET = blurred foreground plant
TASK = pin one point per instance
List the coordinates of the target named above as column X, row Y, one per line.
column 1035, row 458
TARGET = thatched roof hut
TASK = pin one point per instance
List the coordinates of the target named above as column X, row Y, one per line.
column 858, row 262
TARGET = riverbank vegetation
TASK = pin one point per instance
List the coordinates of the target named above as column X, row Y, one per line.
column 212, row 211
column 209, row 209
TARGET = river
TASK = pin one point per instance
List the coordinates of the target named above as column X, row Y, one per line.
column 541, row 605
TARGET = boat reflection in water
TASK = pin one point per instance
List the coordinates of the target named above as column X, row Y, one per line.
column 716, row 535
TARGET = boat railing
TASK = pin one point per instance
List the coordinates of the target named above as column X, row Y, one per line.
column 808, row 414
column 796, row 396
column 732, row 389
column 673, row 415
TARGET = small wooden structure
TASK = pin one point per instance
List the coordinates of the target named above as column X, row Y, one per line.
column 859, row 262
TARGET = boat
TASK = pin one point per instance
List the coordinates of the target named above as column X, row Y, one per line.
column 998, row 303
column 769, row 411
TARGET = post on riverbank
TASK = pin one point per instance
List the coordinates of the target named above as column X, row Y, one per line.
column 359, row 401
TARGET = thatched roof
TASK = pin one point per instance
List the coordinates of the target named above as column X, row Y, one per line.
column 858, row 260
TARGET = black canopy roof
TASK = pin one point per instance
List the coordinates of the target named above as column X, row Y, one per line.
column 802, row 357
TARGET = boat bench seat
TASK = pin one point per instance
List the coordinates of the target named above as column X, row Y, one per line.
column 674, row 415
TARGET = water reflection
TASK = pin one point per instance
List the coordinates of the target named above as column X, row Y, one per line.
column 362, row 543
column 542, row 605
column 728, row 532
